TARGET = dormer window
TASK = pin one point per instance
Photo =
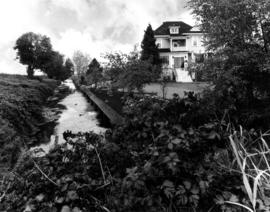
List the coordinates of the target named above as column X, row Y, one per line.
column 174, row 30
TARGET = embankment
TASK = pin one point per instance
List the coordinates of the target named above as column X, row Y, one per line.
column 21, row 119
column 114, row 117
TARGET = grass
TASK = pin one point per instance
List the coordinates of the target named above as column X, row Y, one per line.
column 255, row 169
column 21, row 102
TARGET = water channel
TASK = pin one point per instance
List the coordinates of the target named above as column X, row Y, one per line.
column 78, row 116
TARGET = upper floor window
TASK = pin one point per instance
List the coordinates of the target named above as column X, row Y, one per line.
column 174, row 30
column 179, row 43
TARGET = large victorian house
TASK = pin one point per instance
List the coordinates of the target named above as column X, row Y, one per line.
column 179, row 45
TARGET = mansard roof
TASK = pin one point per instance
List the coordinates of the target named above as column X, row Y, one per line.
column 164, row 29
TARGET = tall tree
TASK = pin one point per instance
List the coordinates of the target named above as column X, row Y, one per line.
column 34, row 51
column 94, row 72
column 149, row 47
column 81, row 62
column 68, row 69
column 236, row 32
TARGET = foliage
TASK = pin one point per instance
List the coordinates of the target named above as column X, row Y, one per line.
column 164, row 158
column 33, row 50
column 239, row 66
column 149, row 48
column 251, row 154
column 57, row 68
column 81, row 61
column 20, row 113
column 94, row 72
column 128, row 71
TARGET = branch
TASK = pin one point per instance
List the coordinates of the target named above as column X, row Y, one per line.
column 101, row 167
column 46, row 176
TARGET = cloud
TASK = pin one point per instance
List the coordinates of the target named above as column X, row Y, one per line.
column 93, row 26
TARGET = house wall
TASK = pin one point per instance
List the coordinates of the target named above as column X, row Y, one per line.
column 199, row 48
column 164, row 42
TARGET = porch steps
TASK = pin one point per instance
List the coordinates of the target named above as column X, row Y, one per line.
column 183, row 76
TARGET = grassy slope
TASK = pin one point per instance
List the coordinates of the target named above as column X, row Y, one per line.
column 21, row 102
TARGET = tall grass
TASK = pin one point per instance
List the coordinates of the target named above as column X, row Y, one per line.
column 255, row 169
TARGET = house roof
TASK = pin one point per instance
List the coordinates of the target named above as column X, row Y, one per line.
column 183, row 28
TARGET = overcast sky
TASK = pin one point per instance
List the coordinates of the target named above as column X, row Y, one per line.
column 92, row 26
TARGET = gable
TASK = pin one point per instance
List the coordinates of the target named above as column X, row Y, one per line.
column 164, row 29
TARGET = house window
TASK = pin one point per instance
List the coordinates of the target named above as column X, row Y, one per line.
column 164, row 60
column 179, row 43
column 195, row 42
column 174, row 30
column 158, row 44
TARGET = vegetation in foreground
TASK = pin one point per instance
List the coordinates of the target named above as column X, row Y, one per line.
column 21, row 102
column 169, row 155
column 172, row 154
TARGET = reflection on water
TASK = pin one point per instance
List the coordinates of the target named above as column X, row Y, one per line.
column 79, row 116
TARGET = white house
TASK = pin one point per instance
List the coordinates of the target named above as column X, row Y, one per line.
column 179, row 44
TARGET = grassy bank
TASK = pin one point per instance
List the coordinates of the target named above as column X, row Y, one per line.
column 21, row 102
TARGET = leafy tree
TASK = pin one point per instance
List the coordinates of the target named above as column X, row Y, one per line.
column 94, row 72
column 58, row 68
column 81, row 61
column 116, row 66
column 34, row 51
column 236, row 33
column 68, row 69
column 149, row 47
column 129, row 71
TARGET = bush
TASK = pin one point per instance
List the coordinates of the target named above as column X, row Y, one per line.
column 165, row 157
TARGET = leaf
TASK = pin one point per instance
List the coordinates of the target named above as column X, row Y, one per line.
column 180, row 190
column 194, row 199
column 187, row 185
column 167, row 183
column 40, row 197
column 72, row 195
column 168, row 187
column 195, row 190
column 76, row 209
column 65, row 209
column 219, row 200
column 234, row 198
column 170, row 146
column 176, row 141
column 59, row 200
column 182, row 200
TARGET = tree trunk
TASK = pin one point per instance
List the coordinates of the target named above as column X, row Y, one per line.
column 30, row 72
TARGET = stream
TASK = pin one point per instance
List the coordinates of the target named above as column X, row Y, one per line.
column 78, row 116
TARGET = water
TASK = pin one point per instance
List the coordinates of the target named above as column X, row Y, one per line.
column 79, row 116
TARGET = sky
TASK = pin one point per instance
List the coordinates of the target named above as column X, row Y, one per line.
column 92, row 26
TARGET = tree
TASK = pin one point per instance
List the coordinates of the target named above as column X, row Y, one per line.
column 94, row 72
column 34, row 51
column 129, row 71
column 236, row 33
column 58, row 68
column 68, row 69
column 149, row 48
column 81, row 61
